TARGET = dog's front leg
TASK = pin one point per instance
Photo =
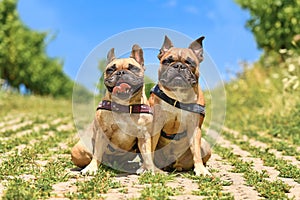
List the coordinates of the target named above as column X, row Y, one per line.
column 145, row 146
column 195, row 147
column 99, row 145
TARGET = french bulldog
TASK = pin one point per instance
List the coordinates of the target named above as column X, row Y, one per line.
column 123, row 118
column 178, row 104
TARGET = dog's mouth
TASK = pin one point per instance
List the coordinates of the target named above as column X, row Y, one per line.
column 175, row 81
column 121, row 88
column 124, row 90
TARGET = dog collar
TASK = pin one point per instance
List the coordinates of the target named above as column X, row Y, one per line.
column 191, row 107
column 132, row 109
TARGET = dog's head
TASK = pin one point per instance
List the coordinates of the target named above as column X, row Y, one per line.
column 179, row 66
column 124, row 78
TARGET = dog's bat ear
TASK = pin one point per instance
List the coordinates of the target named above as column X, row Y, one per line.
column 165, row 47
column 197, row 48
column 137, row 54
column 111, row 55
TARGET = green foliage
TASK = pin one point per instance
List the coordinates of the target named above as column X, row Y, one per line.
column 81, row 94
column 23, row 58
column 266, row 97
column 100, row 85
column 274, row 23
column 47, row 107
column 148, row 87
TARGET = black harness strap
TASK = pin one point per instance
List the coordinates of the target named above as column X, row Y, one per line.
column 191, row 107
column 177, row 136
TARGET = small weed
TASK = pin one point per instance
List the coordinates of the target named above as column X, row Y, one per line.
column 158, row 191
column 158, row 188
column 124, row 190
column 211, row 187
column 19, row 189
column 149, row 178
column 92, row 189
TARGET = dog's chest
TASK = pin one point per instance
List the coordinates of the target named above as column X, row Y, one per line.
column 122, row 127
column 176, row 120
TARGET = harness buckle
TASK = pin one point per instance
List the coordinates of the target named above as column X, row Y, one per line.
column 175, row 103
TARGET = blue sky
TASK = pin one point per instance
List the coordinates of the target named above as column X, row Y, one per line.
column 81, row 25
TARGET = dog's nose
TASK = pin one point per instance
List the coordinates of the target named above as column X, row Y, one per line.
column 179, row 65
column 120, row 73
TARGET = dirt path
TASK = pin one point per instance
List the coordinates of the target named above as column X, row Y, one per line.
column 130, row 188
column 239, row 189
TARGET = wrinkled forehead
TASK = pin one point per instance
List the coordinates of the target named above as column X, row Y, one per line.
column 181, row 53
column 122, row 63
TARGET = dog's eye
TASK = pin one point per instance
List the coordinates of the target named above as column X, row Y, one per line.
column 133, row 68
column 111, row 69
column 167, row 61
column 187, row 62
column 190, row 62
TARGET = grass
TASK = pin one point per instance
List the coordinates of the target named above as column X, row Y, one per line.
column 273, row 142
column 26, row 162
column 158, row 191
column 16, row 105
column 40, row 186
column 262, row 101
column 17, row 162
column 211, row 187
column 149, row 178
column 94, row 187
column 268, row 189
column 157, row 188
column 286, row 169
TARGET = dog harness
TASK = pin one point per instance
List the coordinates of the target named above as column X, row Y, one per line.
column 132, row 109
column 176, row 136
column 191, row 107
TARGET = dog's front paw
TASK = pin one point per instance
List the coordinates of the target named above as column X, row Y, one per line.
column 201, row 170
column 91, row 169
column 159, row 171
column 141, row 170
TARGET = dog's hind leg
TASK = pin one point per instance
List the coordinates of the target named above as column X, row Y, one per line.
column 80, row 155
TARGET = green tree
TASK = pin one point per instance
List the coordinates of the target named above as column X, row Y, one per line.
column 100, row 85
column 23, row 58
column 274, row 23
